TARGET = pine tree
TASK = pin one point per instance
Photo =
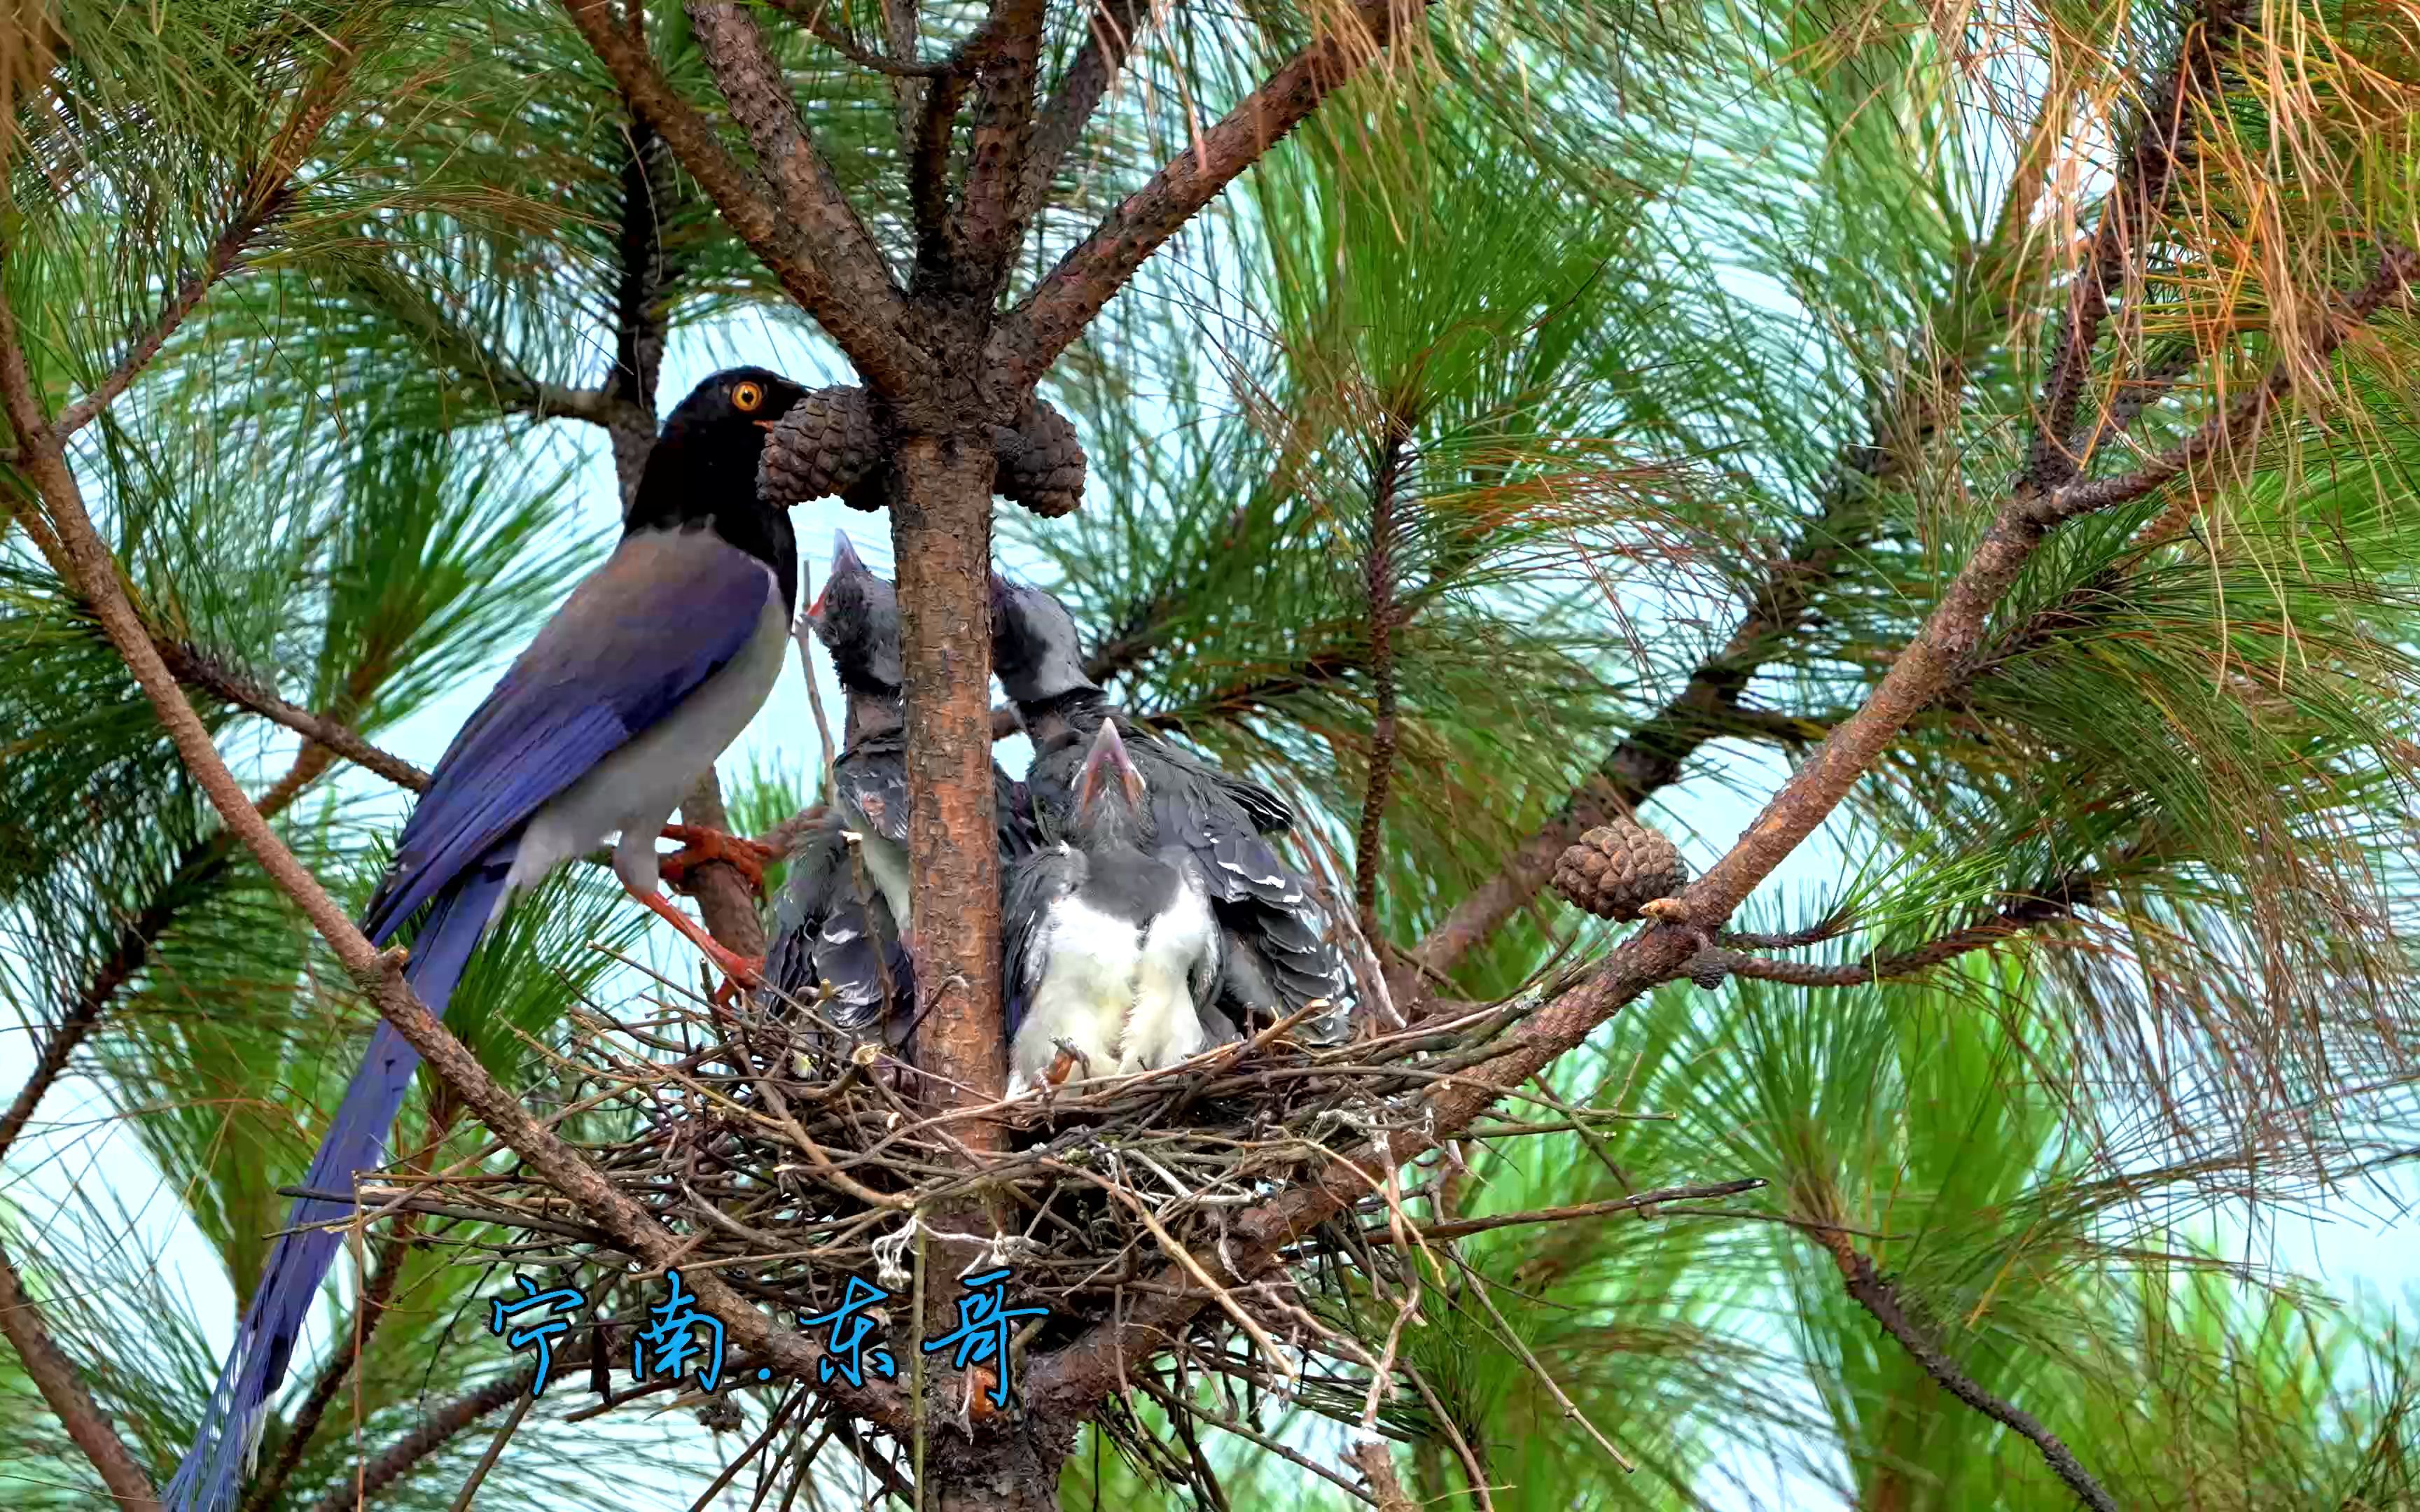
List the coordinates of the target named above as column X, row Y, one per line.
column 1979, row 436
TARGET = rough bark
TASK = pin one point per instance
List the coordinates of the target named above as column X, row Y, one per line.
column 940, row 528
column 63, row 1387
column 1369, row 851
column 724, row 899
column 1080, row 93
column 852, row 298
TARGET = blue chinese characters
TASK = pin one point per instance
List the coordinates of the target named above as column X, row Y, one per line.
column 542, row 1333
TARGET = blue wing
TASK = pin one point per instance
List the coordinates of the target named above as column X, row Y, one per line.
column 639, row 635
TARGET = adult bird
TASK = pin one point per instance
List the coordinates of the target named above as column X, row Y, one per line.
column 653, row 664
column 1112, row 952
column 829, row 929
column 1277, row 955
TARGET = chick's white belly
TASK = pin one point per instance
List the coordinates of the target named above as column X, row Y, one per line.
column 632, row 792
column 1122, row 996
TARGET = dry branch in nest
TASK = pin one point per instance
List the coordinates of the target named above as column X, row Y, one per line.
column 788, row 1162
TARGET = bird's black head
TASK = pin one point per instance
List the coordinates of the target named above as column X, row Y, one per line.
column 1111, row 801
column 857, row 617
column 1034, row 649
column 702, row 471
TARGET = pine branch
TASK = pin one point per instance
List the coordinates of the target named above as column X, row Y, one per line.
column 1654, row 754
column 2159, row 156
column 2235, row 424
column 194, row 669
column 437, row 1429
column 1110, row 37
column 1377, row 1468
column 807, row 194
column 1033, row 335
column 638, row 303
column 1464, row 1227
column 199, row 864
column 268, row 194
column 93, row 572
column 989, row 229
column 929, row 170
column 1878, row 1297
column 1079, row 1375
column 221, row 259
column 725, row 901
column 63, row 1387
column 843, row 285
column 1368, row 856
column 811, row 15
column 2054, row 902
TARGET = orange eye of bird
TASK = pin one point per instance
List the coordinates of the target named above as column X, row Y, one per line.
column 747, row 397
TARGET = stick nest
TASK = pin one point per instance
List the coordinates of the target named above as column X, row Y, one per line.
column 790, row 1160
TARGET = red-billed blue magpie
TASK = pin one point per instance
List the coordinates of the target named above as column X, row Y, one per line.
column 656, row 662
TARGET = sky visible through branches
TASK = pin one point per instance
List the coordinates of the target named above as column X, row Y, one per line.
column 2349, row 1244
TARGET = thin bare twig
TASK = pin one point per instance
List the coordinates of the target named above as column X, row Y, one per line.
column 1881, row 1298
column 1464, row 1227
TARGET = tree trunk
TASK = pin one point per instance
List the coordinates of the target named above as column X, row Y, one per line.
column 940, row 530
column 1013, row 1471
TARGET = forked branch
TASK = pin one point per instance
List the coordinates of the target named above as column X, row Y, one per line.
column 826, row 277
column 1032, row 337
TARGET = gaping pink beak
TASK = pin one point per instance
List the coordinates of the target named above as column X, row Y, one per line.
column 1107, row 756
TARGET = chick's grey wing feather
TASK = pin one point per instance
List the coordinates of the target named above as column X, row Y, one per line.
column 1034, row 885
column 829, row 927
column 871, row 777
column 816, row 865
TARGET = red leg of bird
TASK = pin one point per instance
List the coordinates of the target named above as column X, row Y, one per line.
column 701, row 846
column 744, row 970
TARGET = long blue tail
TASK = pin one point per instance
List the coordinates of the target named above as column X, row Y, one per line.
column 229, row 1433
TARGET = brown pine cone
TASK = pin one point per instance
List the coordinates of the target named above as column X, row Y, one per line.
column 1615, row 869
column 1041, row 461
column 827, row 445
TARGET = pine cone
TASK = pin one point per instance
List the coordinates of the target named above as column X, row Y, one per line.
column 1615, row 869
column 827, row 445
column 1040, row 462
